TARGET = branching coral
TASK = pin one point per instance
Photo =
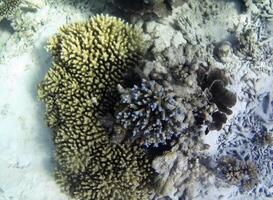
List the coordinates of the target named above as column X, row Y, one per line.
column 7, row 7
column 247, row 140
column 150, row 113
column 237, row 172
column 89, row 60
column 104, row 170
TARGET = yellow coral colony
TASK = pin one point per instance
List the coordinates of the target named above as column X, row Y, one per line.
column 89, row 60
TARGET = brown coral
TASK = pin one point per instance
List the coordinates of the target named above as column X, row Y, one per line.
column 244, row 174
column 214, row 83
column 89, row 60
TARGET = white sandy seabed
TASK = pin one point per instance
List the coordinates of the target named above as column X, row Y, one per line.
column 26, row 150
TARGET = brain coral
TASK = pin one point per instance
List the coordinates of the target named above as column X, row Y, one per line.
column 89, row 60
column 150, row 113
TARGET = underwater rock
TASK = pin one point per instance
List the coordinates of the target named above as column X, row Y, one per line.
column 180, row 170
column 224, row 51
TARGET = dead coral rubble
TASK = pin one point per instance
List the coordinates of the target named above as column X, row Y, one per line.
column 247, row 139
column 181, row 169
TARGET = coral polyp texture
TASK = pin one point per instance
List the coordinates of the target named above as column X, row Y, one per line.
column 7, row 7
column 89, row 60
column 111, row 172
column 244, row 174
column 149, row 113
column 248, row 140
column 96, row 54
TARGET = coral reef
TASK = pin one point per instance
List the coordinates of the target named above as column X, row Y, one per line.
column 250, row 42
column 146, row 9
column 246, row 139
column 200, row 88
column 89, row 60
column 149, row 113
column 182, row 168
column 214, row 83
column 96, row 54
column 7, row 7
column 110, row 172
column 175, row 59
column 259, row 8
column 100, row 111
column 237, row 172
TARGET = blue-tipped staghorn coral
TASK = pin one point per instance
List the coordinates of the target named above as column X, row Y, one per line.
column 150, row 114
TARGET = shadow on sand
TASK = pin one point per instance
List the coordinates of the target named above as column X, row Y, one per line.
column 42, row 60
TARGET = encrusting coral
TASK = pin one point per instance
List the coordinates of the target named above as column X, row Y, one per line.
column 89, row 60
column 149, row 113
column 7, row 7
